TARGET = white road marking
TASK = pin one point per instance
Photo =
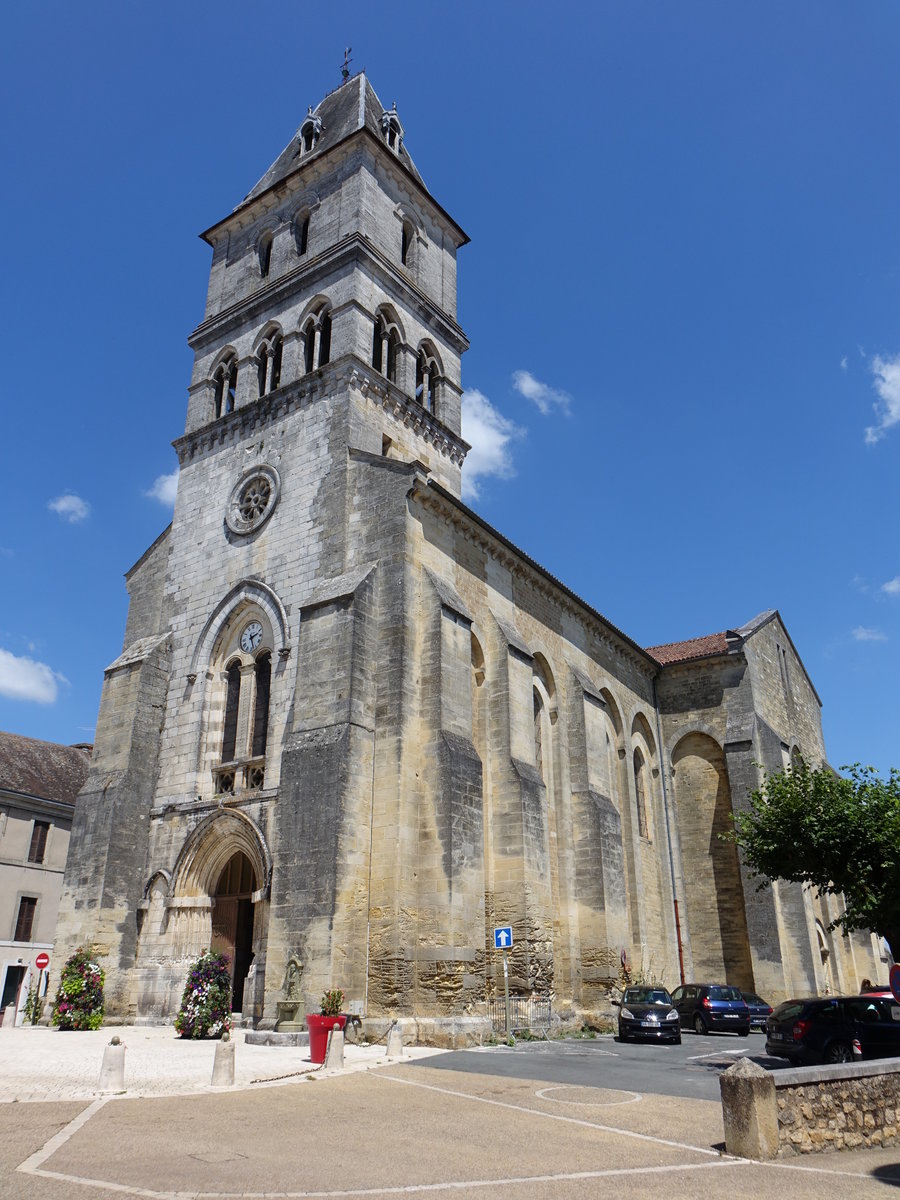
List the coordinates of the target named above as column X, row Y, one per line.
column 411, row 1189
column 534, row 1112
column 743, row 1052
column 542, row 1093
column 30, row 1165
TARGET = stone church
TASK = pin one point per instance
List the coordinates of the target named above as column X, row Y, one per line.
column 354, row 724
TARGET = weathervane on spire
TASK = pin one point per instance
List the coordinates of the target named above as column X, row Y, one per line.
column 345, row 66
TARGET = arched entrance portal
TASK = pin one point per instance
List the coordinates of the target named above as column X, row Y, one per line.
column 232, row 921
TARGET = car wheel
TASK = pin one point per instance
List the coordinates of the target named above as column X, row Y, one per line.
column 699, row 1024
column 677, row 1041
column 744, row 1032
column 839, row 1052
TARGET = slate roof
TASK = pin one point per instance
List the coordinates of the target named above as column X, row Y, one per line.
column 350, row 107
column 701, row 647
column 43, row 769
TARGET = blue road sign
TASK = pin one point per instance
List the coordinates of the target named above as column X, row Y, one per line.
column 503, row 937
column 894, row 980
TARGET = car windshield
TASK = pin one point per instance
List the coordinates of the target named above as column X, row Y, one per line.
column 646, row 995
column 724, row 993
column 752, row 998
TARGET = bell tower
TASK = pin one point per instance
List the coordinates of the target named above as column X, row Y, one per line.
column 266, row 639
column 337, row 269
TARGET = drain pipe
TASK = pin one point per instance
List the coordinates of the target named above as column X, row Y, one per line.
column 665, row 799
column 369, row 885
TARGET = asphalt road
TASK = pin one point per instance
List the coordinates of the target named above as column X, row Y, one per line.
column 690, row 1070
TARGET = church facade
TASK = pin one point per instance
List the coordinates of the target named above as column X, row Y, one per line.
column 353, row 724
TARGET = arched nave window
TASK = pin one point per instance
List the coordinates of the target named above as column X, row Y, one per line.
column 640, row 793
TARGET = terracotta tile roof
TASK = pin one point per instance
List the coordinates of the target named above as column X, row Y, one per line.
column 701, row 647
column 43, row 769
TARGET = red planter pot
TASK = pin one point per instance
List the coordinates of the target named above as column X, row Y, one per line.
column 319, row 1027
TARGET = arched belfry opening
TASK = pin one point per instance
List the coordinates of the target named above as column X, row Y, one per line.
column 232, row 921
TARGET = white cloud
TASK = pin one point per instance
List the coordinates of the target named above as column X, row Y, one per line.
column 164, row 488
column 25, row 679
column 545, row 397
column 892, row 587
column 862, row 634
column 70, row 507
column 887, row 385
column 489, row 434
column 844, row 363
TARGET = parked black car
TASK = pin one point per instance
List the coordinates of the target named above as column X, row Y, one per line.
column 716, row 1006
column 647, row 1012
column 837, row 1029
column 760, row 1010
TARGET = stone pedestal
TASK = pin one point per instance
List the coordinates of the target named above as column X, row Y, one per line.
column 749, row 1111
column 223, row 1064
column 112, row 1070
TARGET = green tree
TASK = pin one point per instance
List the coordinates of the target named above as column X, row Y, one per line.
column 837, row 833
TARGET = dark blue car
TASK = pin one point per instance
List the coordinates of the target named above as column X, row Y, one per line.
column 760, row 1010
column 704, row 1007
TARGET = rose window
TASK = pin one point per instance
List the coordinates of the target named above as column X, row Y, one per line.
column 253, row 499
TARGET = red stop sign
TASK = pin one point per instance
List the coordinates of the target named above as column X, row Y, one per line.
column 42, row 961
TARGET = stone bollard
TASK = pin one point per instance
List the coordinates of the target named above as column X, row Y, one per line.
column 749, row 1111
column 334, row 1055
column 395, row 1041
column 112, row 1070
column 9, row 1017
column 223, row 1064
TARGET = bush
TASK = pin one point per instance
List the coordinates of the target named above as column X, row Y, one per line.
column 206, row 1002
column 79, row 998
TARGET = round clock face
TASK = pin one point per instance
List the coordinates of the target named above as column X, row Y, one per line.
column 252, row 636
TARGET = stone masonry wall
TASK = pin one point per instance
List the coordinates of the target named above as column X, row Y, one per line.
column 839, row 1113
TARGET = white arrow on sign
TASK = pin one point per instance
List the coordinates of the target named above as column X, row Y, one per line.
column 502, row 938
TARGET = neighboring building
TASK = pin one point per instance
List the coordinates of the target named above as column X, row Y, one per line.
column 38, row 785
column 352, row 722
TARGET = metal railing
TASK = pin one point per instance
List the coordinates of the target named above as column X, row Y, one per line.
column 525, row 1012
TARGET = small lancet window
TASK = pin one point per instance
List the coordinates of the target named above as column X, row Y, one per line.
column 406, row 237
column 265, row 255
column 301, row 233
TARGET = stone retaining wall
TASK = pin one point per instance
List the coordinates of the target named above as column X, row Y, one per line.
column 838, row 1108
column 778, row 1114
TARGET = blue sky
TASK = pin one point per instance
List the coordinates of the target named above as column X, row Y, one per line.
column 682, row 295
